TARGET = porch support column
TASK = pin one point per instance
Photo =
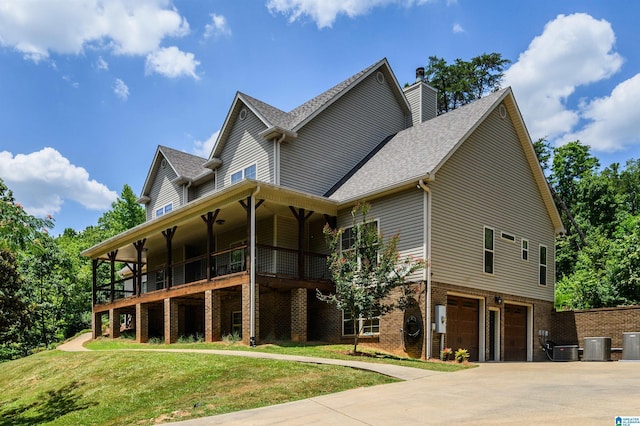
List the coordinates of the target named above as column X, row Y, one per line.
column 250, row 207
column 139, row 245
column 212, row 325
column 299, row 315
column 170, row 321
column 94, row 281
column 209, row 219
column 168, row 236
column 96, row 325
column 142, row 323
column 114, row 323
column 301, row 217
column 112, row 264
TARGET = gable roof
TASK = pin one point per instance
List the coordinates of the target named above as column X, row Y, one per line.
column 187, row 167
column 436, row 140
column 298, row 117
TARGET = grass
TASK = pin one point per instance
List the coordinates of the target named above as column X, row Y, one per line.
column 288, row 348
column 127, row 387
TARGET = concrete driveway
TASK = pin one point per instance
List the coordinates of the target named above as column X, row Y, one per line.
column 573, row 393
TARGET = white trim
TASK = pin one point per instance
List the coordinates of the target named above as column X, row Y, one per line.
column 523, row 250
column 243, row 171
column 508, row 236
column 482, row 321
column 492, row 250
column 496, row 337
column 546, row 265
column 529, row 307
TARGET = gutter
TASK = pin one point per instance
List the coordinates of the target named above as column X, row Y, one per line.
column 427, row 271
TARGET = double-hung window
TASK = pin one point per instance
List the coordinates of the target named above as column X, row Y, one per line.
column 164, row 209
column 525, row 249
column 350, row 242
column 542, row 262
column 249, row 172
column 489, row 245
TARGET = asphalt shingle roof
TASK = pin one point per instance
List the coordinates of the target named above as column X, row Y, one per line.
column 414, row 152
column 187, row 165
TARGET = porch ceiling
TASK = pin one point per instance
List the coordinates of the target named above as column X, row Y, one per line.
column 190, row 225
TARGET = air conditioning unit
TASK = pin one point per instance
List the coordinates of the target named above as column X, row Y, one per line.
column 597, row 349
column 631, row 346
column 565, row 353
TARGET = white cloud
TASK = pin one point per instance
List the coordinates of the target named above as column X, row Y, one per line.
column 41, row 181
column 573, row 50
column 172, row 62
column 121, row 89
column 324, row 12
column 612, row 120
column 218, row 27
column 203, row 148
column 457, row 28
column 101, row 64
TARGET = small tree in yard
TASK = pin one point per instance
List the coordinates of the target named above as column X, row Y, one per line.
column 365, row 269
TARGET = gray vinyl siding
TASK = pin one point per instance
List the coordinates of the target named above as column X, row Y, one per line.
column 245, row 147
column 287, row 232
column 424, row 103
column 205, row 189
column 163, row 191
column 488, row 182
column 398, row 214
column 340, row 136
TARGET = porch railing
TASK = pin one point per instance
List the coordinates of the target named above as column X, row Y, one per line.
column 270, row 260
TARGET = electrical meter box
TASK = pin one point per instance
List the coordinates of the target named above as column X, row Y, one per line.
column 441, row 319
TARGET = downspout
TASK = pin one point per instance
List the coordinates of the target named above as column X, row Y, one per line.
column 276, row 159
column 252, row 272
column 427, row 271
column 185, row 192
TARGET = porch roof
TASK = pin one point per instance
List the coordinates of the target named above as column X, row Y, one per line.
column 276, row 196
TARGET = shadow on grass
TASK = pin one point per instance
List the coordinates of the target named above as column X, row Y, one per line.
column 49, row 406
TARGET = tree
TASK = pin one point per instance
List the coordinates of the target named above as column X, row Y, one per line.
column 463, row 82
column 366, row 269
column 125, row 213
column 14, row 317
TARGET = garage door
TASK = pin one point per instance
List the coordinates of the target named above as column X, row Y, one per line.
column 515, row 333
column 462, row 324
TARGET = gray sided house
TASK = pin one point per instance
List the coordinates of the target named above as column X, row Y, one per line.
column 233, row 243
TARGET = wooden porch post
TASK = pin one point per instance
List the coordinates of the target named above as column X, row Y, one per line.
column 301, row 218
column 112, row 263
column 209, row 219
column 139, row 245
column 94, row 273
column 168, row 236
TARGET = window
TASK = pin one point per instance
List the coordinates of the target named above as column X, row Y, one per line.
column 249, row 172
column 348, row 241
column 488, row 250
column 164, row 209
column 508, row 237
column 236, row 323
column 160, row 278
column 525, row 249
column 543, row 265
column 369, row 326
column 236, row 259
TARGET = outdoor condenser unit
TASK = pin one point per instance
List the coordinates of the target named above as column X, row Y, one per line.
column 565, row 353
column 597, row 349
column 631, row 346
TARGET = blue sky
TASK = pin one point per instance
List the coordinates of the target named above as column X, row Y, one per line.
column 89, row 88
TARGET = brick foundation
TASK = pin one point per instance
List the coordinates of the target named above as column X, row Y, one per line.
column 96, row 325
column 246, row 313
column 170, row 321
column 142, row 323
column 299, row 315
column 114, row 323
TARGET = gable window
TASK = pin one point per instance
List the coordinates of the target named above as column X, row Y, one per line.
column 525, row 249
column 249, row 172
column 366, row 327
column 489, row 243
column 164, row 209
column 543, row 265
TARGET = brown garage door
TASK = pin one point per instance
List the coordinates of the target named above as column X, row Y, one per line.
column 462, row 324
column 515, row 333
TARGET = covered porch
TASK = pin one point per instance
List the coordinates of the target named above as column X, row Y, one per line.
column 246, row 260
